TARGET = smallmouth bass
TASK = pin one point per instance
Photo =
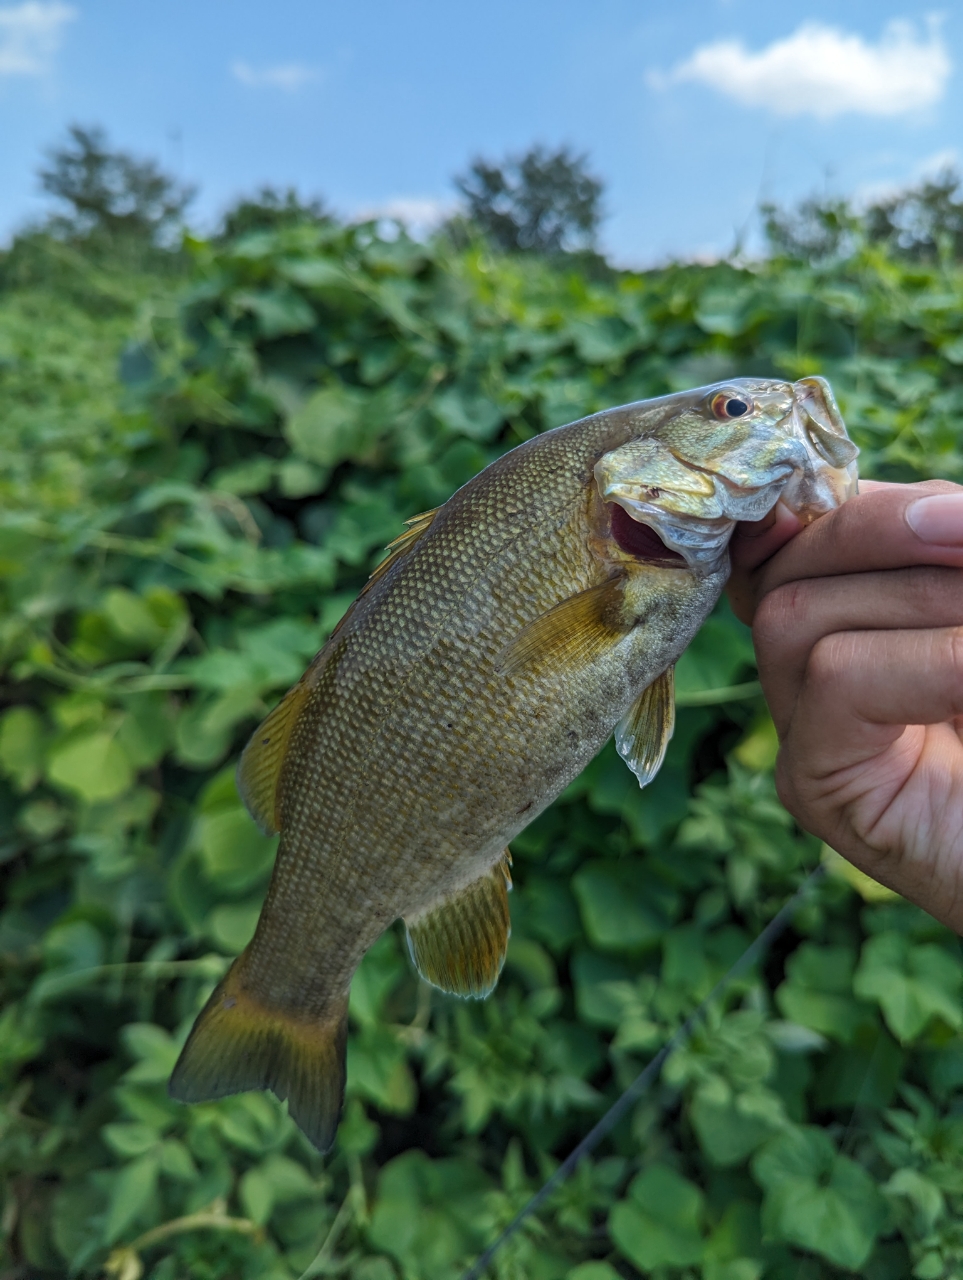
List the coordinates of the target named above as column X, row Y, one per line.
column 487, row 660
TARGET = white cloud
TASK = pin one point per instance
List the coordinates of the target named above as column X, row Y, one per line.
column 824, row 72
column 30, row 36
column 289, row 76
column 420, row 214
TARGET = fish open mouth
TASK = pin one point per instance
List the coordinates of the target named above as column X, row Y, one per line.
column 641, row 540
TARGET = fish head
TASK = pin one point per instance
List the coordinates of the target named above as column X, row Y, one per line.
column 706, row 459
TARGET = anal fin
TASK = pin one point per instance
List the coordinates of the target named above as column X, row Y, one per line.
column 575, row 631
column 459, row 943
column 642, row 735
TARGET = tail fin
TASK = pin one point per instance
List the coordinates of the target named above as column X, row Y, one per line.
column 238, row 1044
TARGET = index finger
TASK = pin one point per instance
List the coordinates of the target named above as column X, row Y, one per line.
column 869, row 532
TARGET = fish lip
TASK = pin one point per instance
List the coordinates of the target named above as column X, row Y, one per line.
column 833, row 476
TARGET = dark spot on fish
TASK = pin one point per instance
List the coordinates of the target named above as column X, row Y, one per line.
column 525, row 807
column 639, row 540
column 449, row 726
column 571, row 735
column 230, row 1002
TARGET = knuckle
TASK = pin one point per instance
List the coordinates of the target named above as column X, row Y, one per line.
column 785, row 781
column 829, row 661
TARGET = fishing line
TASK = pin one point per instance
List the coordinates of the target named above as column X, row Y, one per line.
column 647, row 1075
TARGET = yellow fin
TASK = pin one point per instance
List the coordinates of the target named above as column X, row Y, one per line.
column 643, row 734
column 578, row 629
column 459, row 944
column 401, row 545
column 260, row 764
column 238, row 1044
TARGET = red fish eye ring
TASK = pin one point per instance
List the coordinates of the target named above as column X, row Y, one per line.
column 726, row 406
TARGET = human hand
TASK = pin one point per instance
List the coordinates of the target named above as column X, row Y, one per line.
column 858, row 627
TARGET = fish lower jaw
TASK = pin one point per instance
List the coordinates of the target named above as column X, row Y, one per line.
column 701, row 542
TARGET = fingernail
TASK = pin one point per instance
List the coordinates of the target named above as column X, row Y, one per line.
column 938, row 520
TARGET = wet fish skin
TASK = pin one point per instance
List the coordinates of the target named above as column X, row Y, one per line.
column 483, row 667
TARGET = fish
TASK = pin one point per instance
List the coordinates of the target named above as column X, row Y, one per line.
column 492, row 653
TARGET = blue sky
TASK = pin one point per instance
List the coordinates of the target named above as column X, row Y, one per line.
column 691, row 111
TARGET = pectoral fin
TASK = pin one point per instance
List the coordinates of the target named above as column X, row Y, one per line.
column 577, row 630
column 259, row 767
column 459, row 944
column 643, row 734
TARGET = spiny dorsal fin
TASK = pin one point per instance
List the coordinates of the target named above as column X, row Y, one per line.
column 396, row 549
column 459, row 943
column 260, row 764
column 579, row 629
column 643, row 734
column 399, row 546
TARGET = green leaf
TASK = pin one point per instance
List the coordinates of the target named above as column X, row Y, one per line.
column 616, row 910
column 154, row 1047
column 817, row 992
column 922, row 1193
column 818, row 1200
column 131, row 618
column 277, row 311
column 130, row 1139
column 275, row 1181
column 176, row 1161
column 93, row 767
column 378, row 1070
column 234, row 853
column 22, row 741
column 467, row 413
column 232, row 925
column 913, row 984
column 430, row 1214
column 77, row 1220
column 660, row 1223
column 328, row 427
column 731, row 1125
column 134, row 1185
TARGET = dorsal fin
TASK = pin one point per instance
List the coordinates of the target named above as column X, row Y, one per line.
column 401, row 545
column 397, row 548
column 578, row 629
column 259, row 768
column 459, row 943
column 642, row 735
column 260, row 764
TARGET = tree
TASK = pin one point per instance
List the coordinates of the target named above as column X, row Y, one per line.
column 541, row 202
column 270, row 209
column 111, row 194
column 920, row 223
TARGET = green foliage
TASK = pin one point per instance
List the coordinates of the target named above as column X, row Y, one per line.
column 195, row 481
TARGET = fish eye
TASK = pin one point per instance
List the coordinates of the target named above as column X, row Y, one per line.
column 726, row 406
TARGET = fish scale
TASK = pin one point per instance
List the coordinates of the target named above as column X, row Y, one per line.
column 486, row 662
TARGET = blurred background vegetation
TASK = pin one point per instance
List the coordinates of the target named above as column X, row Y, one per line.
column 204, row 445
